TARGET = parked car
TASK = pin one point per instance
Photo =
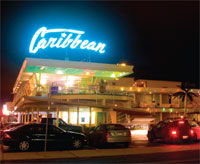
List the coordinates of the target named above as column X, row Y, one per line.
column 196, row 128
column 62, row 124
column 171, row 131
column 33, row 135
column 109, row 133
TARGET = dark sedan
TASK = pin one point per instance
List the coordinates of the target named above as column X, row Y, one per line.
column 33, row 135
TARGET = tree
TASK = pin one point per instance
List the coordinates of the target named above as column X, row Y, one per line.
column 184, row 94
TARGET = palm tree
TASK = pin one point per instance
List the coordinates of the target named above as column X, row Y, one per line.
column 184, row 94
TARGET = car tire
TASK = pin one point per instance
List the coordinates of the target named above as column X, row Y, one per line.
column 195, row 137
column 24, row 145
column 150, row 138
column 126, row 144
column 167, row 140
column 77, row 144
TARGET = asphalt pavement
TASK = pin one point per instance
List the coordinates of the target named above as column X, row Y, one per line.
column 139, row 147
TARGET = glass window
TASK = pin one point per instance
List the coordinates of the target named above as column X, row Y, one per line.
column 100, row 128
column 115, row 127
column 159, row 125
column 54, row 130
column 36, row 129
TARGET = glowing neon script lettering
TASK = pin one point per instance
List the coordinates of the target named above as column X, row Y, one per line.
column 40, row 42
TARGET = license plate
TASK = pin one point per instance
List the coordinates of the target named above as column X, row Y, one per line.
column 185, row 137
column 120, row 134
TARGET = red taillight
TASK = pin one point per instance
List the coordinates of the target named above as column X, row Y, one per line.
column 174, row 132
column 191, row 132
column 6, row 136
column 108, row 134
column 181, row 122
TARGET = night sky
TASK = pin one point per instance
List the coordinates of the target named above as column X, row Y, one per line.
column 161, row 39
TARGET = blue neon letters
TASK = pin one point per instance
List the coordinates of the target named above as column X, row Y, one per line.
column 40, row 42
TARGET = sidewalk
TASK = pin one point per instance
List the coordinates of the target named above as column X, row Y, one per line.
column 95, row 152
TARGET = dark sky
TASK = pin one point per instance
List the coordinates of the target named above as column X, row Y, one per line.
column 161, row 39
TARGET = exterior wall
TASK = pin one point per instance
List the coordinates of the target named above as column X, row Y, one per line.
column 123, row 82
column 143, row 95
column 159, row 84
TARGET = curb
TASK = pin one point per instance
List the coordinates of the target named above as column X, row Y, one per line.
column 95, row 152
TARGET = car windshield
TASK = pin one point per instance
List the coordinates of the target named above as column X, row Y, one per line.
column 61, row 122
column 115, row 127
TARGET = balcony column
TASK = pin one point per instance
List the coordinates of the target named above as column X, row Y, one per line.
column 90, row 120
column 57, row 116
column 161, row 100
column 128, row 104
column 69, row 116
column 103, row 102
column 161, row 116
column 77, row 115
column 37, row 118
column 27, row 115
column 22, row 119
column 32, row 114
column 134, row 98
column 19, row 117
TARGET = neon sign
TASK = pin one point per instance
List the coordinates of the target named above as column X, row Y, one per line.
column 41, row 40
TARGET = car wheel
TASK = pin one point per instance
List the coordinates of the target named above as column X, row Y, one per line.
column 167, row 140
column 126, row 144
column 77, row 144
column 195, row 137
column 150, row 138
column 24, row 145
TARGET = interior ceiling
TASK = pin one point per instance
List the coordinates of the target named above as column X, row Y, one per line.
column 74, row 71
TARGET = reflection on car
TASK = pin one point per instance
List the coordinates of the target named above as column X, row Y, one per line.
column 171, row 131
column 109, row 133
column 9, row 125
column 33, row 135
column 62, row 124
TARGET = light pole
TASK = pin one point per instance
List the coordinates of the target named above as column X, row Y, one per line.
column 49, row 106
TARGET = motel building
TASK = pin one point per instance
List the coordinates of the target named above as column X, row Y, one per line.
column 88, row 94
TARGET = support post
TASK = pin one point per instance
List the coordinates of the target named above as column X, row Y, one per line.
column 27, row 115
column 32, row 115
column 161, row 116
column 37, row 120
column 161, row 100
column 57, row 116
column 103, row 102
column 69, row 116
column 77, row 115
column 22, row 118
column 134, row 99
column 90, row 121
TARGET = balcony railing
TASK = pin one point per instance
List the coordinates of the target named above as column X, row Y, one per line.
column 85, row 91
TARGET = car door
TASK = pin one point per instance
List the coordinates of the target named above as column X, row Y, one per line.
column 99, row 135
column 36, row 134
column 57, row 137
column 158, row 130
